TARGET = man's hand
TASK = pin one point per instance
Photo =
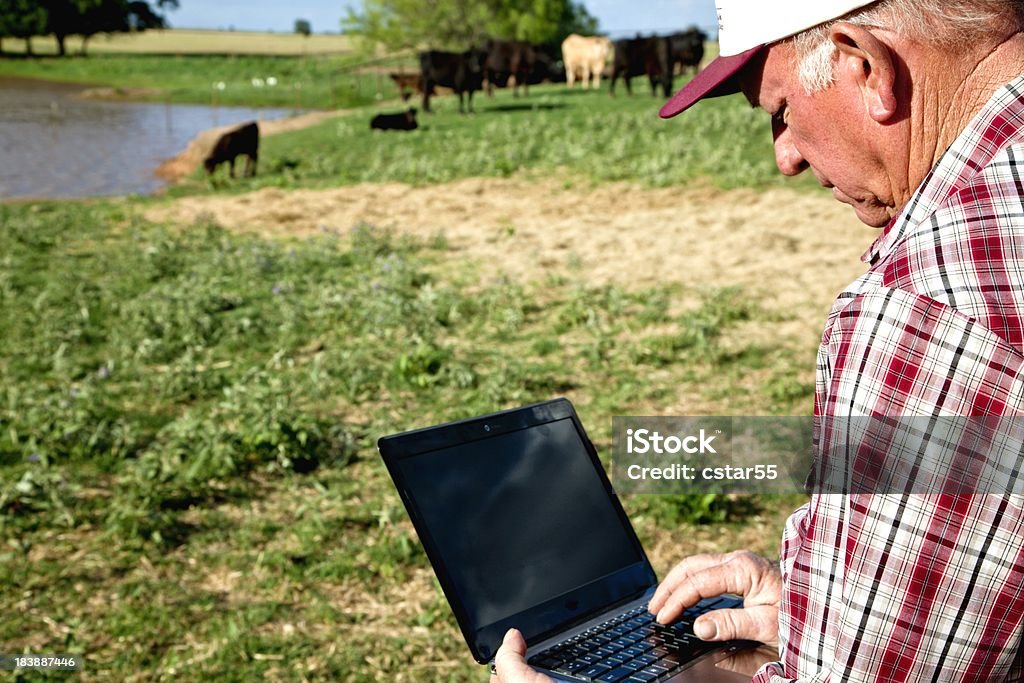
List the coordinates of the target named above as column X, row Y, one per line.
column 695, row 578
column 706, row 576
column 510, row 662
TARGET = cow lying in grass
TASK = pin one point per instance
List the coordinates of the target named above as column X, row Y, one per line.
column 241, row 141
column 403, row 120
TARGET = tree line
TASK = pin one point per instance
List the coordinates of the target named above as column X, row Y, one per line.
column 62, row 18
column 461, row 24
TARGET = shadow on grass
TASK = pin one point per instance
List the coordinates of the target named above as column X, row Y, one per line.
column 522, row 106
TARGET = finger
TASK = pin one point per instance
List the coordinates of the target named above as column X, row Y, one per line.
column 680, row 573
column 753, row 623
column 510, row 661
column 728, row 577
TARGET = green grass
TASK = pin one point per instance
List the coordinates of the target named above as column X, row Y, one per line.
column 189, row 486
column 320, row 81
column 571, row 134
column 188, row 482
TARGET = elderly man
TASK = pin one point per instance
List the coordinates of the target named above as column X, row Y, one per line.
column 912, row 112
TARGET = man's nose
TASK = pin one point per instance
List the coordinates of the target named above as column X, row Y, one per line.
column 787, row 156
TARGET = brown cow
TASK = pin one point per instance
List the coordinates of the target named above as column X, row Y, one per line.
column 408, row 84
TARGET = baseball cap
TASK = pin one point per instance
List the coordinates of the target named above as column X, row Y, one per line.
column 745, row 27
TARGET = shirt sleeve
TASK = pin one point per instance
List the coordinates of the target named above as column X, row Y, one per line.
column 906, row 586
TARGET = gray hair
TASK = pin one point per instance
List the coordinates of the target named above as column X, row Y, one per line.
column 949, row 23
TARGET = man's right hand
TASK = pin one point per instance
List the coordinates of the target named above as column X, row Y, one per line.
column 706, row 576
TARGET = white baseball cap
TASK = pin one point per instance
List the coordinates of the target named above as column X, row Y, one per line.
column 745, row 27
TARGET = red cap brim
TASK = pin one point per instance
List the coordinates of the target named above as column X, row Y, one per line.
column 716, row 79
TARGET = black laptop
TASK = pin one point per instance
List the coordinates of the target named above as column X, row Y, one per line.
column 523, row 529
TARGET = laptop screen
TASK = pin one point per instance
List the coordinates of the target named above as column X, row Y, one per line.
column 519, row 519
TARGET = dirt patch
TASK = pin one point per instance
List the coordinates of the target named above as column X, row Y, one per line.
column 794, row 250
column 184, row 164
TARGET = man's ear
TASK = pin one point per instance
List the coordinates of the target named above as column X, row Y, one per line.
column 868, row 64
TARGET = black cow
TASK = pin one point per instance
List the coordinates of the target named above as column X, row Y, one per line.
column 687, row 49
column 241, row 141
column 403, row 120
column 639, row 56
column 507, row 59
column 547, row 64
column 460, row 71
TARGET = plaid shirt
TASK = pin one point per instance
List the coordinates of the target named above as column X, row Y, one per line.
column 922, row 587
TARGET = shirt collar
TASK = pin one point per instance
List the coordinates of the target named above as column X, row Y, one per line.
column 999, row 122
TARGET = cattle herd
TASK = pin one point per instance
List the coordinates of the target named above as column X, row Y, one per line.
column 584, row 58
column 499, row 63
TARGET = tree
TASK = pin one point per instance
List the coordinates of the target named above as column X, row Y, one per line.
column 86, row 18
column 22, row 19
column 575, row 19
column 303, row 27
column 460, row 24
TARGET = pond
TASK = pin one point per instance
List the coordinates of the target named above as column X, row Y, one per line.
column 55, row 144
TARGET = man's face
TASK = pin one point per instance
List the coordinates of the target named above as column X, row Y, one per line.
column 828, row 132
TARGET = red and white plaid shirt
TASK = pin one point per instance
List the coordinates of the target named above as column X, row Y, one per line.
column 922, row 587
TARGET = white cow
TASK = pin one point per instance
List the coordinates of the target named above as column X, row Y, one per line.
column 585, row 56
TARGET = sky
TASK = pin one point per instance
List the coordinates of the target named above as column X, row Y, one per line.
column 618, row 18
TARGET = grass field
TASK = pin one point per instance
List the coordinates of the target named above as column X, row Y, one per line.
column 188, row 425
column 314, row 82
column 189, row 484
column 192, row 41
column 216, row 67
column 576, row 134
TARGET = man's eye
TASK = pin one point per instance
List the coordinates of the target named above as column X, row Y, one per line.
column 781, row 115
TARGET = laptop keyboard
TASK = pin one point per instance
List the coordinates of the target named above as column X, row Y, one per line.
column 631, row 647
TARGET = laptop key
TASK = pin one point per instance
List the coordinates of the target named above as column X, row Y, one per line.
column 579, row 665
column 643, row 677
column 544, row 661
column 593, row 672
column 634, row 665
column 615, row 675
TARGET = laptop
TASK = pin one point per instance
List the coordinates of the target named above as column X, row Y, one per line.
column 523, row 529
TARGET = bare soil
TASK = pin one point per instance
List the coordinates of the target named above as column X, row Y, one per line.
column 794, row 250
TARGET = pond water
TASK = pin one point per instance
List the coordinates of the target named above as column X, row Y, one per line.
column 56, row 144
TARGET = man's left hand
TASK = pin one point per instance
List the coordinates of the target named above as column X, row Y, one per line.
column 511, row 665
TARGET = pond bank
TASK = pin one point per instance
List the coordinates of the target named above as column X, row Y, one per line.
column 182, row 165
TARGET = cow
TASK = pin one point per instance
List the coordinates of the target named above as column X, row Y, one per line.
column 241, row 141
column 585, row 56
column 460, row 71
column 507, row 59
column 639, row 56
column 407, row 84
column 547, row 64
column 403, row 120
column 687, row 49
